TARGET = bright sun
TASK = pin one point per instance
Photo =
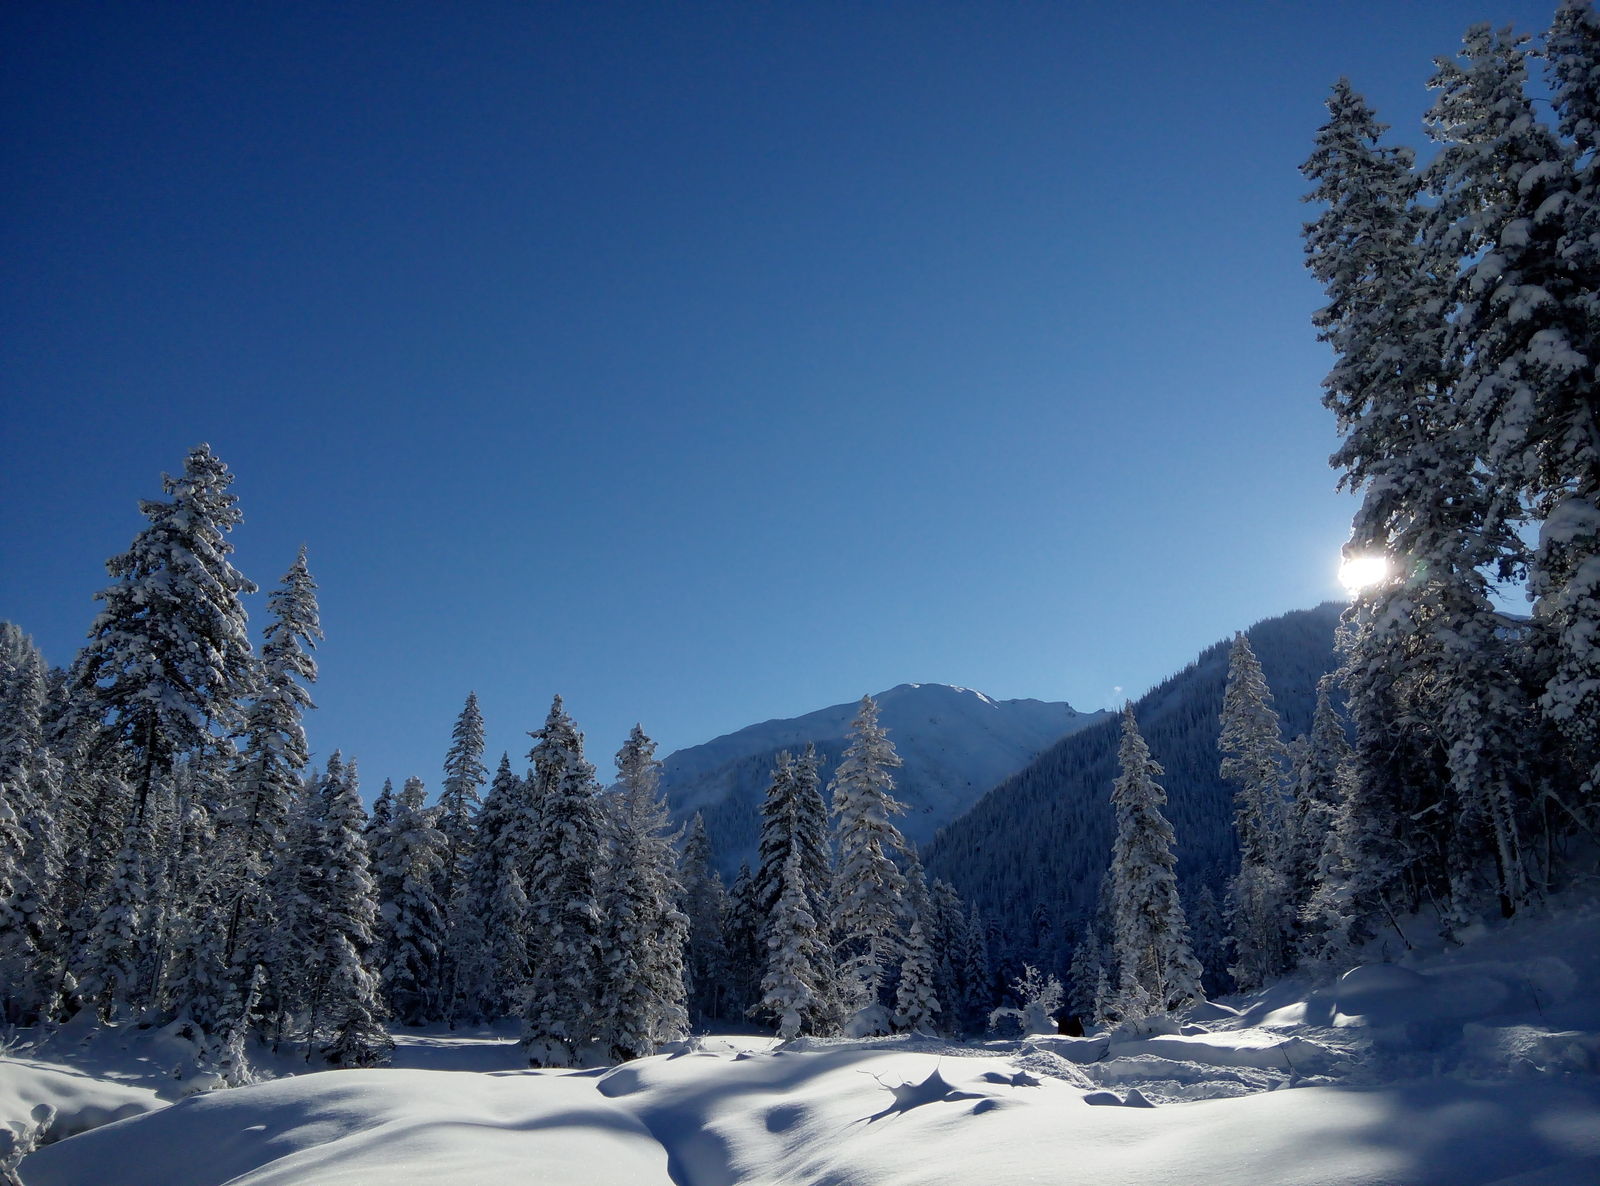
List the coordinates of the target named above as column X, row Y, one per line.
column 1357, row 572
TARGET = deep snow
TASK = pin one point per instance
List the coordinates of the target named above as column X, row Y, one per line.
column 1478, row 1065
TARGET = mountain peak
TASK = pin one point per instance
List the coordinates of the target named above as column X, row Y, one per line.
column 956, row 743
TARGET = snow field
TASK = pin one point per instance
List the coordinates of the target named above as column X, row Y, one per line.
column 1471, row 1067
column 828, row 1115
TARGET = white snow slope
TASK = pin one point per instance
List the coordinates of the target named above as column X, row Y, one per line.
column 957, row 745
column 1481, row 1066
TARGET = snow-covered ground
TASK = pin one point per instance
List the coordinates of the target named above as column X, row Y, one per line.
column 1478, row 1065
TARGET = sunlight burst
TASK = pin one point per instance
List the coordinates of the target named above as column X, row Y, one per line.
column 1359, row 572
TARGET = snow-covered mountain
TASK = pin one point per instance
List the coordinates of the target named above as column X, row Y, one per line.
column 957, row 744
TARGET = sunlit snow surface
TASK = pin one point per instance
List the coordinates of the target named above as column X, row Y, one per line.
column 1474, row 1067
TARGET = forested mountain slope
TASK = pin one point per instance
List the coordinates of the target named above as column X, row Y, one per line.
column 1032, row 852
column 956, row 743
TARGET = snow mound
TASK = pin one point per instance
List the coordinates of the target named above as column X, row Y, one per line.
column 79, row 1102
column 369, row 1126
column 830, row 1116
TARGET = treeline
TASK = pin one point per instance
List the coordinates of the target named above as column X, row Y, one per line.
column 167, row 857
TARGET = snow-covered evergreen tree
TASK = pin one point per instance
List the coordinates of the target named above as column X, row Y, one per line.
column 342, row 912
column 200, row 993
column 868, row 886
column 379, row 820
column 789, row 988
column 1156, row 970
column 1085, row 976
column 31, row 858
column 976, row 971
column 1319, row 776
column 1562, row 438
column 917, row 1005
column 1508, row 323
column 459, row 801
column 794, row 819
column 168, row 659
column 793, row 815
column 744, row 944
column 489, row 928
column 109, row 963
column 705, row 902
column 643, row 1001
column 252, row 830
column 1424, row 659
column 408, row 861
column 948, row 942
column 1259, row 912
column 564, row 897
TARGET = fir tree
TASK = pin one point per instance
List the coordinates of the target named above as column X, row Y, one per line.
column 868, row 886
column 1319, row 774
column 1561, row 445
column 459, row 803
column 202, row 995
column 645, row 931
column 790, row 989
column 342, row 918
column 31, row 858
column 169, row 659
column 110, row 964
column 948, row 944
column 916, row 1001
column 977, row 972
column 1253, row 756
column 1423, row 662
column 705, row 902
column 793, row 815
column 1156, row 970
column 563, row 893
column 489, row 927
column 1508, row 323
column 408, row 858
column 746, row 951
column 272, row 762
column 1085, row 976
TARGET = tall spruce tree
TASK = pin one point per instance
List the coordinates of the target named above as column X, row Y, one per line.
column 791, row 991
column 408, row 860
column 168, row 659
column 1156, row 970
column 1319, row 778
column 489, row 927
column 1410, row 455
column 31, row 857
column 272, row 760
column 564, row 897
column 645, row 929
column 1260, row 915
column 1496, row 156
column 459, row 802
column 868, row 886
column 705, row 902
column 1561, row 441
column 343, row 997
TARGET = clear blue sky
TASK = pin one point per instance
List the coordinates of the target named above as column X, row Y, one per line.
column 705, row 363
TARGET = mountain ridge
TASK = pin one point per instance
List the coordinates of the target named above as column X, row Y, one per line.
column 957, row 743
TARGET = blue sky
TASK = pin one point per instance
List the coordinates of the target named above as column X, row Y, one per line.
column 704, row 363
